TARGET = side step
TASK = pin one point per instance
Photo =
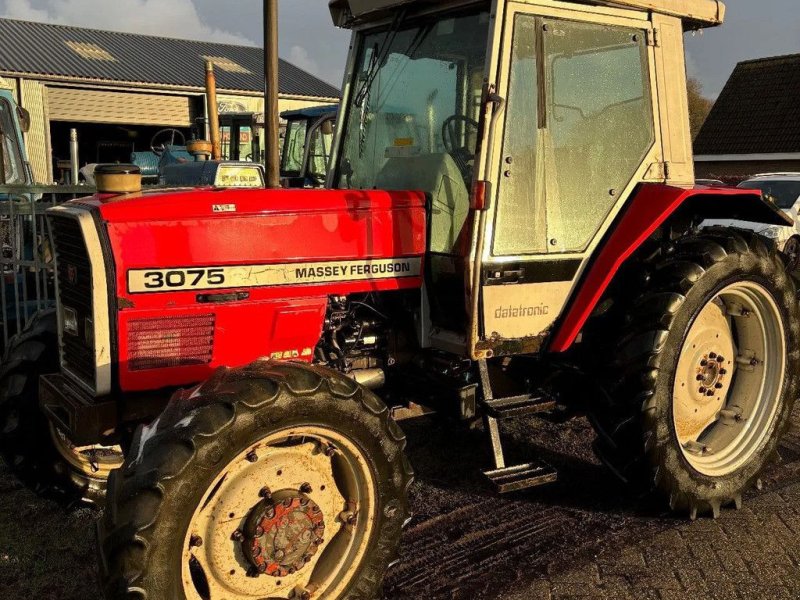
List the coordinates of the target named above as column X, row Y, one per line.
column 507, row 479
column 518, row 406
column 520, row 477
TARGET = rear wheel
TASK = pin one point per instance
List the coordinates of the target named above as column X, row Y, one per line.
column 704, row 373
column 792, row 251
column 37, row 452
column 274, row 481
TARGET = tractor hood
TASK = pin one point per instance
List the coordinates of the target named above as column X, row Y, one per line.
column 695, row 13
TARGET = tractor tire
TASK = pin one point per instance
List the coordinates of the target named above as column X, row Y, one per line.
column 210, row 480
column 39, row 454
column 792, row 252
column 702, row 371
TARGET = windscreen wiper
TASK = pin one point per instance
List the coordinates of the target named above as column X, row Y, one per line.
column 379, row 57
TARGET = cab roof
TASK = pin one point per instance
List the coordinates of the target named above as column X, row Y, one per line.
column 696, row 14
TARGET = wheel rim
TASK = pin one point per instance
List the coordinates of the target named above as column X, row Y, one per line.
column 93, row 463
column 792, row 251
column 289, row 517
column 729, row 378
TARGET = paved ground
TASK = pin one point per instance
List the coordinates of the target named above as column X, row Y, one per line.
column 579, row 538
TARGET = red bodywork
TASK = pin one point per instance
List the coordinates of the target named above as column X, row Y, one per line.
column 185, row 228
column 649, row 209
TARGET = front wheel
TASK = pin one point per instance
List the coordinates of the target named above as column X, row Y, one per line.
column 274, row 481
column 705, row 373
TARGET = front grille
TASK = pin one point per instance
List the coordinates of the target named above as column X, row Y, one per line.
column 75, row 292
column 160, row 343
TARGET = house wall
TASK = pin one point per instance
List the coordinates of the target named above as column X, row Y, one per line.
column 735, row 172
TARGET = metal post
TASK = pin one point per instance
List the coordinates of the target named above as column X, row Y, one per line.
column 73, row 156
column 271, row 118
column 213, row 112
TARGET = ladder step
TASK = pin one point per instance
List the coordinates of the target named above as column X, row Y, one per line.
column 518, row 406
column 520, row 477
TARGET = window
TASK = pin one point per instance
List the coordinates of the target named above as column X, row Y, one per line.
column 562, row 174
column 410, row 84
column 521, row 220
column 601, row 124
column 13, row 166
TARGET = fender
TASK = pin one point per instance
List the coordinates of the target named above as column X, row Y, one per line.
column 649, row 209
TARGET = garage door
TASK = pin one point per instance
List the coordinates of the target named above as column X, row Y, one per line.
column 123, row 108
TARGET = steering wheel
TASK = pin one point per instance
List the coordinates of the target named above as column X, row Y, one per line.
column 452, row 130
column 158, row 149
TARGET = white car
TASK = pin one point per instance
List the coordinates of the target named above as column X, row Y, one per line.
column 784, row 190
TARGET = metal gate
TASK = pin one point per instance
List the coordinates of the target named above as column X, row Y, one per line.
column 26, row 261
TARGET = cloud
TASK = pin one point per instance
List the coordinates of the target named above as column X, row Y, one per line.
column 300, row 57
column 173, row 18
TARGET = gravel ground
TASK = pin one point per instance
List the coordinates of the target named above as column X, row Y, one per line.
column 581, row 537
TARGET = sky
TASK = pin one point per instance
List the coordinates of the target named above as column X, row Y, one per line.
column 755, row 29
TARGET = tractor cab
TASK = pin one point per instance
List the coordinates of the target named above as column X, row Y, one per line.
column 307, row 142
column 529, row 125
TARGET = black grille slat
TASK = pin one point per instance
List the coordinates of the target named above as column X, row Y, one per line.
column 75, row 288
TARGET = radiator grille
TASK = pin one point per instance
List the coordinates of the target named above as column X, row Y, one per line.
column 75, row 292
column 170, row 342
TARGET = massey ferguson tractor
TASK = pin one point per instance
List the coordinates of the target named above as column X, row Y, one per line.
column 510, row 226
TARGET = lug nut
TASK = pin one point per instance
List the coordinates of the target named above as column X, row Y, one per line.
column 237, row 536
column 265, row 492
column 195, row 541
column 719, row 386
column 709, row 393
column 712, row 355
column 723, row 371
column 720, row 359
column 306, row 488
column 252, row 456
column 704, row 363
column 703, row 390
column 699, row 378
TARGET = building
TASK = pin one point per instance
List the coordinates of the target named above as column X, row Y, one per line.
column 754, row 126
column 119, row 89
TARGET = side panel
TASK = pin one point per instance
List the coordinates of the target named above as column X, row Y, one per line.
column 228, row 288
column 648, row 210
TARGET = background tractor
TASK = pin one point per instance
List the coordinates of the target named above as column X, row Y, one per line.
column 503, row 175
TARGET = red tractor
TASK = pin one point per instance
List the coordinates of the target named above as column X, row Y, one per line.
column 510, row 227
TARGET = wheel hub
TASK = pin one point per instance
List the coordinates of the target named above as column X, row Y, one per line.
column 283, row 532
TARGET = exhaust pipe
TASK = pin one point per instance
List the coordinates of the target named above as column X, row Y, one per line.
column 213, row 112
column 74, row 159
column 271, row 118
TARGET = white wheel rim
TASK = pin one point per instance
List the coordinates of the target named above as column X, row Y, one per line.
column 729, row 379
column 343, row 489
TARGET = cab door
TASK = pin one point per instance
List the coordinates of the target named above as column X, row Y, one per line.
column 577, row 135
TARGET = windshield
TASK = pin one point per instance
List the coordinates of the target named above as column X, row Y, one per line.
column 783, row 193
column 413, row 114
column 294, row 147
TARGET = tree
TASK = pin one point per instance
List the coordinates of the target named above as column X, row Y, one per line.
column 699, row 105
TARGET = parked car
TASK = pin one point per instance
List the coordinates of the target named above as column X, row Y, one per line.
column 711, row 182
column 783, row 189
